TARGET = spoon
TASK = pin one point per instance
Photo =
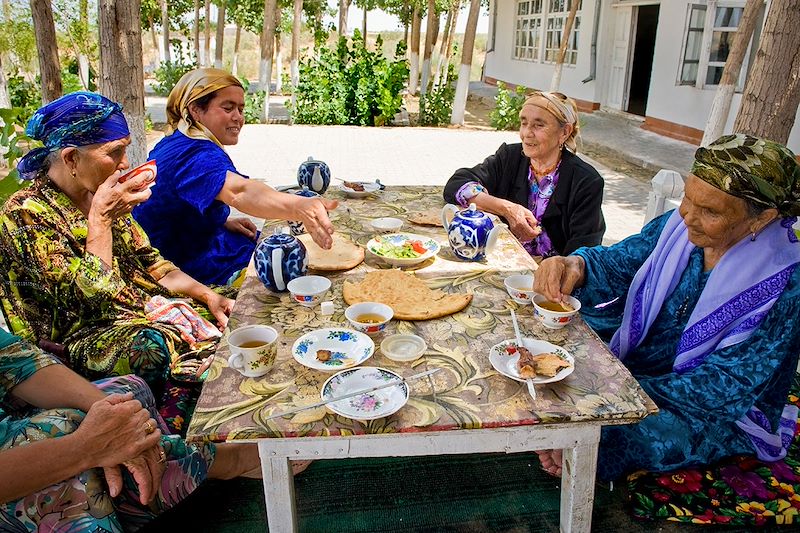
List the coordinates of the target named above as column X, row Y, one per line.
column 529, row 381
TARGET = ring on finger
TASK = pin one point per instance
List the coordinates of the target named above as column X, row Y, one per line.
column 162, row 457
column 149, row 427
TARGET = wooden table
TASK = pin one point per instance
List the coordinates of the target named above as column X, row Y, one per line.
column 466, row 407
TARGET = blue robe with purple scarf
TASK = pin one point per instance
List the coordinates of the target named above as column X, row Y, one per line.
column 698, row 408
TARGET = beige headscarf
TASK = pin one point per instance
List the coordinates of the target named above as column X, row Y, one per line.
column 563, row 108
column 193, row 85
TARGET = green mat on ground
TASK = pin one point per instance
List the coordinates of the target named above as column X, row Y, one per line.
column 456, row 493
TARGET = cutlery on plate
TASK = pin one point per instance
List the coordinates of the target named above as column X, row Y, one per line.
column 354, row 394
column 529, row 381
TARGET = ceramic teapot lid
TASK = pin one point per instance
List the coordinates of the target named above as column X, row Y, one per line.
column 279, row 239
column 472, row 212
column 306, row 192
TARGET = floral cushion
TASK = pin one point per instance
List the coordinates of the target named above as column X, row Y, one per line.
column 740, row 490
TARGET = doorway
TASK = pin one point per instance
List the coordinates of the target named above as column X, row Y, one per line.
column 642, row 65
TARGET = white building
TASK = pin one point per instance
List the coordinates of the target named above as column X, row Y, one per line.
column 658, row 59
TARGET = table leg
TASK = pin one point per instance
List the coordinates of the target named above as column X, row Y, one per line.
column 278, row 491
column 577, row 481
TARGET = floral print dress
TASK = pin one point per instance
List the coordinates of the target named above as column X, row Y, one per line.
column 83, row 503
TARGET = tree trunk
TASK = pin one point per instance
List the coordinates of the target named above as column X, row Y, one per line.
column 450, row 38
column 5, row 99
column 83, row 58
column 562, row 51
column 154, row 37
column 462, row 87
column 278, row 50
column 294, row 60
column 344, row 7
column 437, row 75
column 121, row 70
column 207, row 35
column 721, row 106
column 772, row 92
column 196, row 31
column 165, row 30
column 49, row 66
column 220, row 34
column 405, row 22
column 235, row 60
column 426, row 55
column 364, row 25
column 265, row 66
column 413, row 51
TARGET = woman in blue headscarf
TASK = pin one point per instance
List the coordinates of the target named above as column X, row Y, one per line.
column 80, row 272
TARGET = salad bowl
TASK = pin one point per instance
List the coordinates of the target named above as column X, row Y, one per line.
column 403, row 249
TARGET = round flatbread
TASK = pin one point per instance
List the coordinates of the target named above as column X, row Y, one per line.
column 409, row 297
column 429, row 217
column 343, row 255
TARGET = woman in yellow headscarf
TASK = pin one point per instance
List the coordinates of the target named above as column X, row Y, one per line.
column 188, row 216
column 548, row 195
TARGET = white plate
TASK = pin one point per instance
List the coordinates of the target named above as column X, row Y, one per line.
column 369, row 188
column 349, row 348
column 507, row 364
column 370, row 405
column 398, row 239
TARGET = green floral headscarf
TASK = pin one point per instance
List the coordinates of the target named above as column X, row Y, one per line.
column 764, row 172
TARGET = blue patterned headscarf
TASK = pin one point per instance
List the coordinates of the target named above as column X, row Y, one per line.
column 75, row 119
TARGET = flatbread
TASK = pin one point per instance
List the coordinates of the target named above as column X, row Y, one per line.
column 409, row 297
column 429, row 217
column 343, row 255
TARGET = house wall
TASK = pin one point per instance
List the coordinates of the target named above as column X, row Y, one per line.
column 679, row 111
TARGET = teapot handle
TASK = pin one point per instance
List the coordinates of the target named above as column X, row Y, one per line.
column 448, row 208
column 277, row 268
column 492, row 239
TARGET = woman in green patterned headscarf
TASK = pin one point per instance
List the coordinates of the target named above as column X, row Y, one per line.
column 760, row 171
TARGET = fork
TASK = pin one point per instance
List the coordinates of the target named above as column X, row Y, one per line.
column 529, row 381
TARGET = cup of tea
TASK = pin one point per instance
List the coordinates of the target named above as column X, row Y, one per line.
column 253, row 349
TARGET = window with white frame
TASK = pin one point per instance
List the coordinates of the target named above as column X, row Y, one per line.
column 710, row 30
column 538, row 28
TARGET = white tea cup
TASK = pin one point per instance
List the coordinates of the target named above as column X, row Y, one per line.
column 253, row 349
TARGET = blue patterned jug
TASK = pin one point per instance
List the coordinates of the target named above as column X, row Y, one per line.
column 279, row 259
column 297, row 227
column 471, row 232
column 316, row 175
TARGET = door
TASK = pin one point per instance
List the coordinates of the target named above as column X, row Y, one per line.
column 644, row 44
column 620, row 53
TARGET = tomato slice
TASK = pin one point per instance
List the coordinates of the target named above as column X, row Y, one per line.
column 417, row 247
column 511, row 349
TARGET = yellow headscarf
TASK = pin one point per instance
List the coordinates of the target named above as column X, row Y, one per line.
column 560, row 106
column 192, row 86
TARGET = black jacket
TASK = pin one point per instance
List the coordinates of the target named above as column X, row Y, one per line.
column 573, row 217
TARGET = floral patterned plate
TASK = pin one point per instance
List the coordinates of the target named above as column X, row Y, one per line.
column 379, row 243
column 347, row 348
column 506, row 363
column 370, row 405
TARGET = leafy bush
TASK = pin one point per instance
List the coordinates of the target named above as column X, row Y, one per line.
column 253, row 102
column 507, row 105
column 24, row 94
column 436, row 105
column 168, row 73
column 350, row 85
column 13, row 145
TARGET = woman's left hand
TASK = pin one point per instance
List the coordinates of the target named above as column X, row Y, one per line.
column 242, row 225
column 220, row 307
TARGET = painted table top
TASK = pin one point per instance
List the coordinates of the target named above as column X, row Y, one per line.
column 466, row 393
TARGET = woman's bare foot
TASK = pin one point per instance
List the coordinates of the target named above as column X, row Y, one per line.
column 551, row 461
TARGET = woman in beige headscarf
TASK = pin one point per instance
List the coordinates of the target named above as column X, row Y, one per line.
column 548, row 195
column 188, row 216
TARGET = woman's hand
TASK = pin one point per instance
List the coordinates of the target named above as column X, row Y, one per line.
column 313, row 213
column 557, row 276
column 220, row 307
column 521, row 221
column 113, row 199
column 242, row 225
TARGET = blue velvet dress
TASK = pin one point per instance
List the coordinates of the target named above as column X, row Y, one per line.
column 698, row 408
column 182, row 217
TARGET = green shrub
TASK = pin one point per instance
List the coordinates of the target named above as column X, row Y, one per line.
column 436, row 105
column 507, row 105
column 13, row 145
column 350, row 85
column 25, row 95
column 168, row 73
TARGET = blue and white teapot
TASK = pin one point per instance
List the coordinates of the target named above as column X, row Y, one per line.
column 316, row 175
column 296, row 227
column 279, row 259
column 471, row 232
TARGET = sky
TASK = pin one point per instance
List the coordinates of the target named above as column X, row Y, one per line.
column 378, row 20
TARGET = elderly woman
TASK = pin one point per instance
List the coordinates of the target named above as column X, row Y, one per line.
column 188, row 217
column 548, row 195
column 92, row 457
column 80, row 272
column 702, row 307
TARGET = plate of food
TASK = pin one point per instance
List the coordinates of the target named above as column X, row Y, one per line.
column 332, row 349
column 403, row 249
column 538, row 360
column 370, row 405
column 359, row 189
